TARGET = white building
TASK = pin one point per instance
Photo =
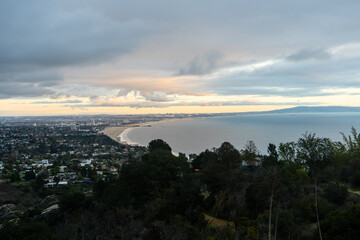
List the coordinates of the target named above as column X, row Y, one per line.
column 86, row 162
column 62, row 168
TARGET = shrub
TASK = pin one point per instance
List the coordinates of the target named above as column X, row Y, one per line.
column 342, row 225
column 72, row 201
column 335, row 193
column 26, row 231
column 355, row 179
column 304, row 209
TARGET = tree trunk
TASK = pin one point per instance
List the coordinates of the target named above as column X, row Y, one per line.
column 271, row 200
column 317, row 211
column 276, row 220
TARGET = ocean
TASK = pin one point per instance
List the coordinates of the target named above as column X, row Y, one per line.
column 198, row 134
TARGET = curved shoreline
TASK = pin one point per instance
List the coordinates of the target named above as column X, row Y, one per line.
column 120, row 134
column 124, row 139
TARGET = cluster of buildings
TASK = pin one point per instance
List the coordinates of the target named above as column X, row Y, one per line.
column 85, row 123
column 59, row 154
column 67, row 149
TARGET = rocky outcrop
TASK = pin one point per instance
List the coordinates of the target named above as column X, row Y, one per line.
column 7, row 212
column 50, row 209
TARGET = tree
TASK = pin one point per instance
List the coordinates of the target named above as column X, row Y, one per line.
column 352, row 143
column 250, row 153
column 30, row 175
column 342, row 225
column 150, row 177
column 257, row 196
column 336, row 193
column 272, row 151
column 40, row 179
column 158, row 144
column 15, row 177
column 272, row 158
column 272, row 177
column 216, row 177
column 355, row 179
column 71, row 201
column 287, row 227
column 287, row 151
column 204, row 159
column 229, row 155
column 23, row 230
column 314, row 153
column 184, row 198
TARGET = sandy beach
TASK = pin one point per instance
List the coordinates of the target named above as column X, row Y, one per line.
column 120, row 134
column 115, row 132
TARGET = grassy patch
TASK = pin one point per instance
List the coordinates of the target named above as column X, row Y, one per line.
column 21, row 183
column 217, row 222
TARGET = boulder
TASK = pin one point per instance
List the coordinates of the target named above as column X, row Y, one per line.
column 6, row 212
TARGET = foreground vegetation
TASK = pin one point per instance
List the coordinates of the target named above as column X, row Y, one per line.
column 301, row 190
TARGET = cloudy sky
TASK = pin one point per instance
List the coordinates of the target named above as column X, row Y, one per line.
column 121, row 57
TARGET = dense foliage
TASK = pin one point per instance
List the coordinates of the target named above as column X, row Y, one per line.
column 222, row 193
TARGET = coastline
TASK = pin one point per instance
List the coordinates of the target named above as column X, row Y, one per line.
column 114, row 132
column 124, row 139
column 120, row 134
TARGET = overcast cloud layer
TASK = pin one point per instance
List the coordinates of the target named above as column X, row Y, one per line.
column 178, row 53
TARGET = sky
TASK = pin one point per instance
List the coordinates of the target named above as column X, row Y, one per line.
column 204, row 56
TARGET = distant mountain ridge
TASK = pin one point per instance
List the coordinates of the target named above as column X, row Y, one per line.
column 322, row 109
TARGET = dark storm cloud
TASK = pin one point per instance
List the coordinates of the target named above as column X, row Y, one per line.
column 52, row 33
column 291, row 79
column 21, row 89
column 42, row 40
column 57, row 102
column 44, row 78
column 308, row 54
column 28, row 84
column 38, row 37
column 202, row 64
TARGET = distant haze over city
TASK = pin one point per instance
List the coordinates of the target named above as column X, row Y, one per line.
column 149, row 57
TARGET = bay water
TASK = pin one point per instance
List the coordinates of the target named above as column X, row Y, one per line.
column 197, row 134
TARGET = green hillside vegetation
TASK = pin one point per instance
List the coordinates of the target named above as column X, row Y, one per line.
column 300, row 190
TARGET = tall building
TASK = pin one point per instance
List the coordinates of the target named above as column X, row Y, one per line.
column 73, row 127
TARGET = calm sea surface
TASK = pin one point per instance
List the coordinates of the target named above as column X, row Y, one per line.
column 196, row 135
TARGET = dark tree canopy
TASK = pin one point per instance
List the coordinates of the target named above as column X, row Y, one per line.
column 287, row 151
column 29, row 175
column 156, row 195
column 153, row 175
column 313, row 152
column 250, row 153
column 272, row 158
column 342, row 225
column 159, row 144
column 228, row 155
column 204, row 159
